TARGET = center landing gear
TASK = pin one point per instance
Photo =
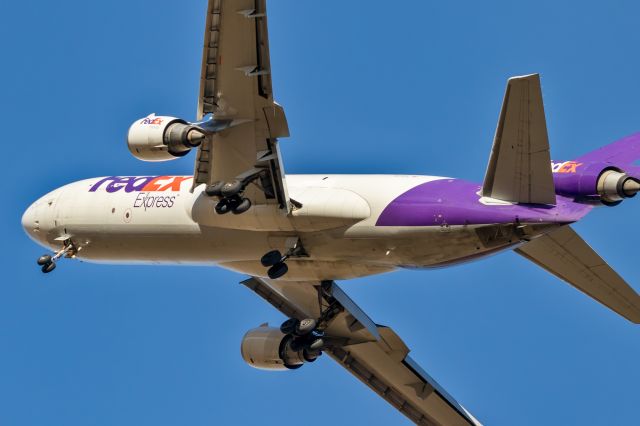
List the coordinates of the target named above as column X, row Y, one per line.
column 48, row 262
column 274, row 260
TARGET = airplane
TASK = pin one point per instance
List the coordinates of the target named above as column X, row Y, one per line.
column 294, row 236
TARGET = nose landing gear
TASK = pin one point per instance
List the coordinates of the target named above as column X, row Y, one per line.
column 48, row 262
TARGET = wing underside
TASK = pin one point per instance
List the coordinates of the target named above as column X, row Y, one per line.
column 566, row 255
column 235, row 86
column 373, row 353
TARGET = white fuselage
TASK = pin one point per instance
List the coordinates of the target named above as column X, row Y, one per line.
column 170, row 224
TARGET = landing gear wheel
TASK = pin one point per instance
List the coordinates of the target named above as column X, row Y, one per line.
column 222, row 207
column 244, row 205
column 44, row 259
column 306, row 326
column 277, row 270
column 226, row 205
column 271, row 258
column 214, row 190
column 232, row 188
column 289, row 326
column 48, row 267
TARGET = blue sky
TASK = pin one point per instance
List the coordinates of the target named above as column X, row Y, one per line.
column 369, row 87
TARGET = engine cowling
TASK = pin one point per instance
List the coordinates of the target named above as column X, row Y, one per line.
column 267, row 348
column 162, row 138
column 594, row 181
column 614, row 186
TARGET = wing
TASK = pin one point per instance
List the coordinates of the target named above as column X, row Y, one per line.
column 235, row 86
column 372, row 353
column 569, row 257
column 519, row 167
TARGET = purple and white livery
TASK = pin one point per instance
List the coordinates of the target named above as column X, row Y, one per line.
column 295, row 235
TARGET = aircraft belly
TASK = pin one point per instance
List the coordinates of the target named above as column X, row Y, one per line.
column 412, row 247
column 333, row 254
column 206, row 246
column 312, row 269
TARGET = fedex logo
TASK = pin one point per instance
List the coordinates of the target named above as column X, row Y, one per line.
column 150, row 120
column 140, row 183
column 565, row 167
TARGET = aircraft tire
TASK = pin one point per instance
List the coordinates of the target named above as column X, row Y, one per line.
column 277, row 270
column 306, row 326
column 231, row 188
column 289, row 326
column 214, row 190
column 271, row 258
column 244, row 205
column 48, row 267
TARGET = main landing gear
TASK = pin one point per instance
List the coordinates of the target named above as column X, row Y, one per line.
column 231, row 193
column 308, row 334
column 304, row 335
column 48, row 262
column 274, row 260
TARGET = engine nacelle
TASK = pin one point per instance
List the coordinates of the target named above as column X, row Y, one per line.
column 160, row 138
column 614, row 186
column 267, row 348
column 594, row 181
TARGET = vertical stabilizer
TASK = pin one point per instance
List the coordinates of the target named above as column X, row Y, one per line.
column 519, row 168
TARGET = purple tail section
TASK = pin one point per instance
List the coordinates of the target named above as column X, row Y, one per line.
column 456, row 202
column 445, row 202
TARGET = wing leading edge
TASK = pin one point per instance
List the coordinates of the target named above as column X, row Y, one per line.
column 373, row 353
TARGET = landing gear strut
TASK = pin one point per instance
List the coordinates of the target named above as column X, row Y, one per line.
column 48, row 262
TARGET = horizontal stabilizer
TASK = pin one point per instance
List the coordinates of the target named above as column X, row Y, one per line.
column 569, row 257
column 519, row 167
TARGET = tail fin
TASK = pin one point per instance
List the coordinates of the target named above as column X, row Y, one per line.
column 569, row 257
column 518, row 168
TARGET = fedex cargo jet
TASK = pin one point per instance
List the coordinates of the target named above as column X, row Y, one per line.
column 294, row 236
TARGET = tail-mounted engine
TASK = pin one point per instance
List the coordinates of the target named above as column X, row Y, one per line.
column 614, row 186
column 161, row 138
column 594, row 181
column 290, row 346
